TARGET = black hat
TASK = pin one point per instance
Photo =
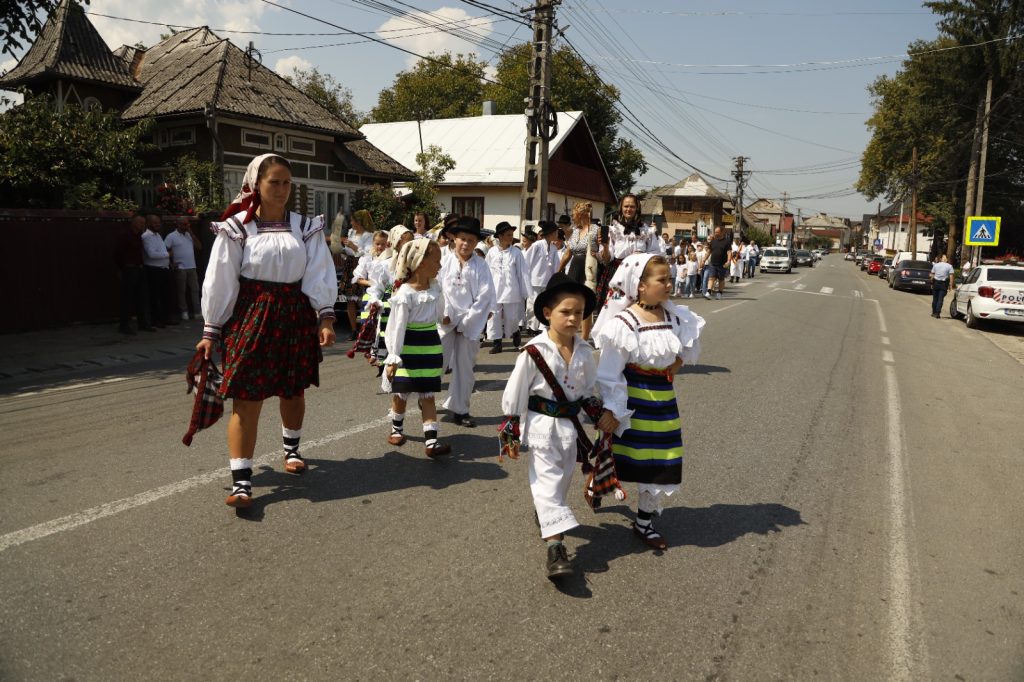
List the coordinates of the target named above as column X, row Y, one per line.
column 467, row 224
column 564, row 220
column 503, row 227
column 559, row 283
column 545, row 227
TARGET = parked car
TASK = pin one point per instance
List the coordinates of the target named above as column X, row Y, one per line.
column 875, row 264
column 865, row 260
column 860, row 255
column 850, row 255
column 990, row 292
column 804, row 258
column 883, row 272
column 911, row 275
column 776, row 259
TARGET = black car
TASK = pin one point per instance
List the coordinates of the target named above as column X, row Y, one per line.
column 911, row 275
column 883, row 272
column 804, row 258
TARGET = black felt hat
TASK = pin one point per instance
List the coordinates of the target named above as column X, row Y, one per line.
column 503, row 227
column 545, row 227
column 562, row 283
column 564, row 220
column 466, row 224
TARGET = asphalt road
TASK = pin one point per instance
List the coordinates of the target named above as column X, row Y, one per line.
column 851, row 509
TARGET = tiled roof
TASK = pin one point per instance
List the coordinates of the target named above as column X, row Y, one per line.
column 194, row 69
column 70, row 47
column 359, row 156
column 692, row 186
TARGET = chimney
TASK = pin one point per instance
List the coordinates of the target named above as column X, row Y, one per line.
column 136, row 65
column 490, row 107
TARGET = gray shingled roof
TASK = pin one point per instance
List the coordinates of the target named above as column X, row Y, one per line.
column 192, row 69
column 70, row 47
column 359, row 156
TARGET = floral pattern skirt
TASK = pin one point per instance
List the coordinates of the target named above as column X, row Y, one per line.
column 270, row 343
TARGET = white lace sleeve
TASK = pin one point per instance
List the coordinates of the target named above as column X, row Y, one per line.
column 320, row 282
column 220, row 285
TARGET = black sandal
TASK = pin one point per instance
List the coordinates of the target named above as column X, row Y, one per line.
column 650, row 537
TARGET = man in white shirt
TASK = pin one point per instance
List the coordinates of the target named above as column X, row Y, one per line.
column 511, row 287
column 157, row 265
column 182, row 247
column 542, row 260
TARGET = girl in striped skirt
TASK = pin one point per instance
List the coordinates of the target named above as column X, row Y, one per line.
column 644, row 340
column 414, row 361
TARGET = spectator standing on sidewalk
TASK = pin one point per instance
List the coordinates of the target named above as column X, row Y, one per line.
column 941, row 276
column 718, row 256
column 182, row 247
column 157, row 265
column 134, row 295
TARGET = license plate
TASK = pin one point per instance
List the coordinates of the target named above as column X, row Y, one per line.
column 917, row 281
column 1015, row 312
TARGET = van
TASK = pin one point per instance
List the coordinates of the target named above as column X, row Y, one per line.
column 909, row 255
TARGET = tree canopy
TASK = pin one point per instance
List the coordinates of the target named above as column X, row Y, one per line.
column 328, row 93
column 444, row 86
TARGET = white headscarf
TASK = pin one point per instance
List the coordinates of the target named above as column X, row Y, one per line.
column 623, row 289
column 246, row 199
column 394, row 234
column 409, row 258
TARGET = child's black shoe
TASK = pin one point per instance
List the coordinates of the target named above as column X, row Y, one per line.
column 558, row 561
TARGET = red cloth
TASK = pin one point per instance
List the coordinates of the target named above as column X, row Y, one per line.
column 203, row 377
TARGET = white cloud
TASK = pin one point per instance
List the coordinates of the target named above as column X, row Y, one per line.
column 289, row 65
column 227, row 14
column 13, row 97
column 415, row 36
column 7, row 65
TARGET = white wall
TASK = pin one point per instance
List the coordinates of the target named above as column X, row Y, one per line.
column 895, row 238
column 503, row 203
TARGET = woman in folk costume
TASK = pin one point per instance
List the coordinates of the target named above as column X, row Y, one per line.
column 269, row 298
column 468, row 300
column 511, row 287
column 644, row 340
column 627, row 235
column 414, row 362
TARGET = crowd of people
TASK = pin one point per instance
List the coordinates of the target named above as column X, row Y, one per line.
column 420, row 301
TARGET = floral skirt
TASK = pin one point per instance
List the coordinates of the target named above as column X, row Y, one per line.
column 270, row 343
column 347, row 290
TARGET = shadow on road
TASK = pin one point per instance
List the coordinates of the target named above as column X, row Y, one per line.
column 704, row 369
column 328, row 480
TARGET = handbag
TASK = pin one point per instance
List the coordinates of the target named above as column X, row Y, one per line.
column 203, row 378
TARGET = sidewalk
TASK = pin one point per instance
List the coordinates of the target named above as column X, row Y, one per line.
column 43, row 354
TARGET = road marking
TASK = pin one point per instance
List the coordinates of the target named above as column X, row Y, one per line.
column 827, row 290
column 742, row 284
column 799, row 287
column 72, row 521
column 772, row 285
column 70, row 387
column 732, row 305
column 885, row 340
column 887, row 356
column 900, row 639
column 881, row 318
column 857, row 293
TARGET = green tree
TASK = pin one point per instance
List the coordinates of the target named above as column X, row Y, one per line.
column 328, row 93
column 758, row 236
column 433, row 165
column 385, row 206
column 574, row 87
column 444, row 86
column 71, row 158
column 199, row 182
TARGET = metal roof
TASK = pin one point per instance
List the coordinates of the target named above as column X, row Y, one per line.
column 488, row 150
column 69, row 46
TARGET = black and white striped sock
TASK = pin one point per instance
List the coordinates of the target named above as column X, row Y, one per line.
column 241, row 476
column 397, row 423
column 290, row 438
column 430, row 434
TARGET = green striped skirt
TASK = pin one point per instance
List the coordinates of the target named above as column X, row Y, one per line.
column 422, row 361
column 651, row 450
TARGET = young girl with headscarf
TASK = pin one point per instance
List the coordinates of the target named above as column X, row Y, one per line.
column 268, row 302
column 644, row 340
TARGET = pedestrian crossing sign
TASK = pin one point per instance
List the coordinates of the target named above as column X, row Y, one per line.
column 982, row 231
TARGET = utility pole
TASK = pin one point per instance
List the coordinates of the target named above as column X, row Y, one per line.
column 541, row 122
column 912, row 244
column 741, row 177
column 782, row 219
column 984, row 157
column 972, row 178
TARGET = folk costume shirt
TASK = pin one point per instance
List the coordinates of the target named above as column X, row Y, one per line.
column 468, row 296
column 578, row 380
column 276, row 253
column 621, row 244
column 541, row 258
column 510, row 275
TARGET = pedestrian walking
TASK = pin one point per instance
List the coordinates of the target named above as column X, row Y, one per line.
column 644, row 340
column 415, row 362
column 580, row 259
column 692, row 267
column 718, row 250
column 941, row 277
column 351, row 248
column 542, row 260
column 268, row 302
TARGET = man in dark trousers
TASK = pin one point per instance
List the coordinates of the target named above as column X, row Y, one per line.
column 134, row 292
column 720, row 247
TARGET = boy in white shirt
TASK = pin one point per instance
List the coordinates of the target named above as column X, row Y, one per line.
column 511, row 280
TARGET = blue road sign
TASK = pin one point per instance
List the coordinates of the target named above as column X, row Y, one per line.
column 982, row 231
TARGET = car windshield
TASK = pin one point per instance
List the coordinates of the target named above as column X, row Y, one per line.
column 1005, row 274
column 888, row 261
column 776, row 253
column 916, row 264
column 805, row 254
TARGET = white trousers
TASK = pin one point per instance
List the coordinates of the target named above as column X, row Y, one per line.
column 460, row 353
column 531, row 320
column 505, row 321
column 550, row 468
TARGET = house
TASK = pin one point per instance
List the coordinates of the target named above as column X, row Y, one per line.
column 823, row 225
column 890, row 230
column 208, row 98
column 771, row 216
column 490, row 156
column 691, row 207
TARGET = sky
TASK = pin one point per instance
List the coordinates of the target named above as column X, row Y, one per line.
column 783, row 83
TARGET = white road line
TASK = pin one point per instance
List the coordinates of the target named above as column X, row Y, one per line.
column 887, row 356
column 772, row 285
column 901, row 639
column 885, row 340
column 70, row 387
column 827, row 290
column 799, row 287
column 72, row 521
column 732, row 305
column 742, row 284
column 881, row 318
column 857, row 293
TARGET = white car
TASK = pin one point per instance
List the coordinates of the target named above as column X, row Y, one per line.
column 776, row 259
column 990, row 292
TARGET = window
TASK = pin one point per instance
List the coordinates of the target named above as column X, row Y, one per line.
column 256, row 138
column 181, row 136
column 471, row 206
column 301, row 145
column 687, row 206
column 279, row 143
column 317, row 171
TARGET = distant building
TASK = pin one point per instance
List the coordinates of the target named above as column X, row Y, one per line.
column 771, row 215
column 890, row 230
column 690, row 208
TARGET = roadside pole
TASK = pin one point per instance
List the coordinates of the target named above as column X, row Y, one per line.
column 541, row 120
column 984, row 158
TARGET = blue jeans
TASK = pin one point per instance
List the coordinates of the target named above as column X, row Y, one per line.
column 707, row 276
column 938, row 296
